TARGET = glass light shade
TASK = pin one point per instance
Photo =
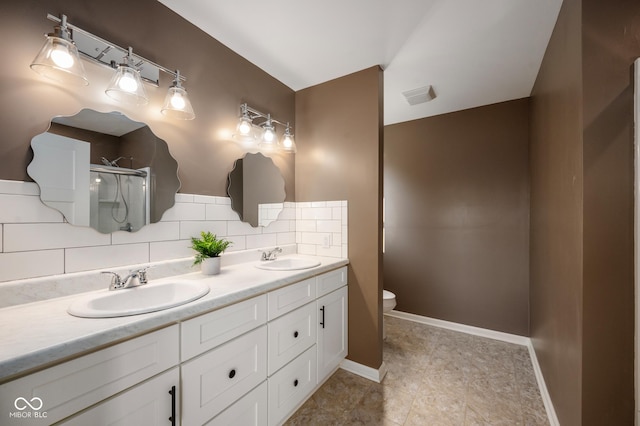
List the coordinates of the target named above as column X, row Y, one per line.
column 269, row 134
column 177, row 104
column 59, row 60
column 126, row 86
column 288, row 144
column 244, row 125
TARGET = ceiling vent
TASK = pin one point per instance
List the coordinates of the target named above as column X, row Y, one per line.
column 419, row 95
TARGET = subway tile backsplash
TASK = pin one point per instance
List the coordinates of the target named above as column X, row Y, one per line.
column 36, row 242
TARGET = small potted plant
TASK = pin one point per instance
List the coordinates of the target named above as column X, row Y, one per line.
column 208, row 249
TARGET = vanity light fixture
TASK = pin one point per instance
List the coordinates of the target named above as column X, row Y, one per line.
column 59, row 59
column 177, row 103
column 126, row 84
column 268, row 139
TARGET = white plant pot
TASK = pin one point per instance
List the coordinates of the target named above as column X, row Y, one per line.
column 210, row 266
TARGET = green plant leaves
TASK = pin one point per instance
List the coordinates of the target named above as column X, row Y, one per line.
column 208, row 246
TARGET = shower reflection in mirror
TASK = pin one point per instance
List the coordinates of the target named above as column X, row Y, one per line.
column 119, row 198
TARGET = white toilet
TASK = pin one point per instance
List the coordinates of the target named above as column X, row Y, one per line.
column 388, row 303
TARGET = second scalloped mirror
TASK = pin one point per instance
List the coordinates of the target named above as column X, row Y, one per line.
column 256, row 189
column 104, row 170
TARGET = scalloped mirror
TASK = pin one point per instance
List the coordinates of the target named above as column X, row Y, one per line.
column 104, row 170
column 256, row 189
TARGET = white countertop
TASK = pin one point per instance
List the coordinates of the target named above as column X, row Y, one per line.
column 39, row 334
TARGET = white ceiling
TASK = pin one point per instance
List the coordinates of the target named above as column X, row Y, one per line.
column 473, row 52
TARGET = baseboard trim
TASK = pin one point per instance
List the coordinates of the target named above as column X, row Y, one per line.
column 364, row 371
column 544, row 392
column 496, row 335
column 476, row 331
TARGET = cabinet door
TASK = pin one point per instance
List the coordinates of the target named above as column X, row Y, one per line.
column 154, row 402
column 332, row 331
column 216, row 379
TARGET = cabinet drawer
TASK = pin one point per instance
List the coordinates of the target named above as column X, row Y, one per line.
column 213, row 381
column 330, row 281
column 288, row 298
column 290, row 335
column 74, row 385
column 291, row 385
column 250, row 410
column 215, row 328
column 149, row 403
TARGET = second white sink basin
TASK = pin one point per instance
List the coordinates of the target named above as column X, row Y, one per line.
column 288, row 264
column 138, row 300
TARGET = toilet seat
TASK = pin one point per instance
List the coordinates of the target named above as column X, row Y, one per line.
column 386, row 295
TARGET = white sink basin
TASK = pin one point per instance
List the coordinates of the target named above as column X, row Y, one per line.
column 288, row 264
column 138, row 300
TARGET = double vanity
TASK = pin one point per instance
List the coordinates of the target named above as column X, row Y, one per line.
column 245, row 347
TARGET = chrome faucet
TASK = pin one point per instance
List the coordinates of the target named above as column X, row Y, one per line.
column 135, row 278
column 270, row 255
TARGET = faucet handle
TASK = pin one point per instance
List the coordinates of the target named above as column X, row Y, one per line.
column 141, row 273
column 116, row 281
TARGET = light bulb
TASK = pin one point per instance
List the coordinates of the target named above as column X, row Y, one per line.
column 61, row 57
column 287, row 142
column 269, row 135
column 128, row 83
column 244, row 127
column 177, row 101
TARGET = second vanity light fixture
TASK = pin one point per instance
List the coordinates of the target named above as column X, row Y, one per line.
column 59, row 60
column 264, row 134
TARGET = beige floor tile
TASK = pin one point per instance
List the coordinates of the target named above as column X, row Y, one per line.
column 435, row 377
column 341, row 392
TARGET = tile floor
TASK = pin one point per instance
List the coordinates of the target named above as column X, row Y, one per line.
column 435, row 377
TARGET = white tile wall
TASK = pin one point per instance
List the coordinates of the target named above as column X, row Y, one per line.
column 15, row 266
column 36, row 242
column 321, row 228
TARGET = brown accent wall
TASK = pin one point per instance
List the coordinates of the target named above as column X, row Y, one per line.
column 218, row 81
column 610, row 45
column 339, row 138
column 582, row 297
column 457, row 216
column 556, row 216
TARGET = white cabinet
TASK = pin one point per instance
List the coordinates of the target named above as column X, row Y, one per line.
column 207, row 331
column 332, row 331
column 291, row 385
column 290, row 335
column 154, row 402
column 215, row 380
column 72, row 386
column 250, row 363
column 250, row 410
column 293, row 296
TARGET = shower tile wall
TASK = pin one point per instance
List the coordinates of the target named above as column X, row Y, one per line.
column 35, row 241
